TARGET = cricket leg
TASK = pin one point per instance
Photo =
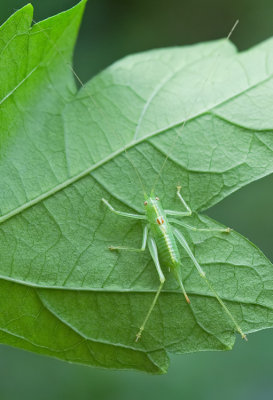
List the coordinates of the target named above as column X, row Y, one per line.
column 180, row 213
column 185, row 245
column 143, row 246
column 123, row 214
column 154, row 254
column 193, row 228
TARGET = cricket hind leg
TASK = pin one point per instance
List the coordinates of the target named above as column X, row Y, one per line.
column 154, row 254
column 185, row 245
column 179, row 279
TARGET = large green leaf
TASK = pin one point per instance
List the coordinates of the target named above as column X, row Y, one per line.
column 63, row 293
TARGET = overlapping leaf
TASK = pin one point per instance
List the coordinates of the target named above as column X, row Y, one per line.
column 63, row 293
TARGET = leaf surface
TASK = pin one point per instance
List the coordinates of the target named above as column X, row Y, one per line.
column 63, row 293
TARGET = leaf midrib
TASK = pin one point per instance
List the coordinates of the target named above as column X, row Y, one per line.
column 114, row 154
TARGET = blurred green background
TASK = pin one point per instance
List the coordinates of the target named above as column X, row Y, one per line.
column 110, row 30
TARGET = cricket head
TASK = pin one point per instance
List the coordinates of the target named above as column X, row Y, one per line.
column 151, row 200
column 153, row 208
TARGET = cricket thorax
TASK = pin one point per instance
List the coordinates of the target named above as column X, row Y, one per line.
column 160, row 220
column 162, row 233
column 154, row 211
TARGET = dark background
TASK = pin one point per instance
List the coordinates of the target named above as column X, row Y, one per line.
column 111, row 30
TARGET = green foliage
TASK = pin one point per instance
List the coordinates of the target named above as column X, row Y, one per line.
column 63, row 293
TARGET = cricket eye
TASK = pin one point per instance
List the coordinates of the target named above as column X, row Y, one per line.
column 157, row 198
column 145, row 203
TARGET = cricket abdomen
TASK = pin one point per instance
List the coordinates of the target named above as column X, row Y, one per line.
column 167, row 250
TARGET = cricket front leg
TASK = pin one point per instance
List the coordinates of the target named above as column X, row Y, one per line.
column 180, row 213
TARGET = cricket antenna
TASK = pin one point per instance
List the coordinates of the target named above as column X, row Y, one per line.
column 232, row 29
column 187, row 117
column 82, row 85
column 137, row 173
column 60, row 54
